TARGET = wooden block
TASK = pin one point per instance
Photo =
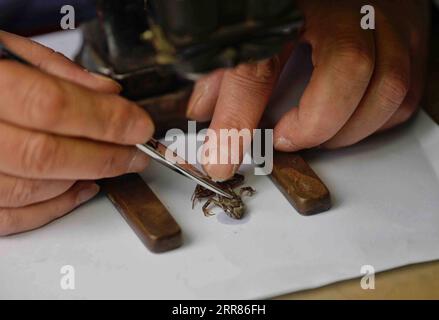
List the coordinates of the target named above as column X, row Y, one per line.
column 300, row 184
column 144, row 212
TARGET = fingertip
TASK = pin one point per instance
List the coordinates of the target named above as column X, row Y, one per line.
column 220, row 158
column 283, row 133
column 150, row 128
column 86, row 191
column 106, row 84
column 138, row 162
column 143, row 128
column 220, row 172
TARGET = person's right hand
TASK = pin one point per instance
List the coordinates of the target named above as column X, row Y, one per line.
column 60, row 128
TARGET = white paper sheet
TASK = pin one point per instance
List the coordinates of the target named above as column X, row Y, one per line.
column 385, row 214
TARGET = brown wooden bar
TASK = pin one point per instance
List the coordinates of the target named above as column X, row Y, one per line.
column 300, row 184
column 144, row 212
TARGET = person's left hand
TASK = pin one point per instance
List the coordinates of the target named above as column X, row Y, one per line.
column 363, row 81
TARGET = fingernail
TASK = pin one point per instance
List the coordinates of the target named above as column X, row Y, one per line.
column 101, row 77
column 87, row 193
column 282, row 143
column 138, row 162
column 196, row 100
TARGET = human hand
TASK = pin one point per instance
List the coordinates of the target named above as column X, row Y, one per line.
column 60, row 127
column 363, row 81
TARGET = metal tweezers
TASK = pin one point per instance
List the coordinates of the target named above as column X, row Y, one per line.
column 153, row 148
column 160, row 152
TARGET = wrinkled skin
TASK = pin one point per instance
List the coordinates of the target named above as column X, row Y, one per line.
column 363, row 81
column 61, row 127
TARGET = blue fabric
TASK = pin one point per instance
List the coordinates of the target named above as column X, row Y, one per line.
column 26, row 15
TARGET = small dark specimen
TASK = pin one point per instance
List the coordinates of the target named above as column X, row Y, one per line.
column 234, row 207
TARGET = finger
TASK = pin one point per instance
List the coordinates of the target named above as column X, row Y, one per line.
column 57, row 64
column 243, row 96
column 343, row 58
column 206, row 91
column 419, row 58
column 388, row 88
column 18, row 192
column 35, row 100
column 204, row 97
column 402, row 115
column 35, row 155
column 414, row 96
column 31, row 217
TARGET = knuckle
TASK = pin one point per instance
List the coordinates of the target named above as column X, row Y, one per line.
column 8, row 222
column 251, row 85
column 354, row 60
column 233, row 118
column 393, row 90
column 258, row 75
column 44, row 63
column 38, row 154
column 268, row 70
column 44, row 102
